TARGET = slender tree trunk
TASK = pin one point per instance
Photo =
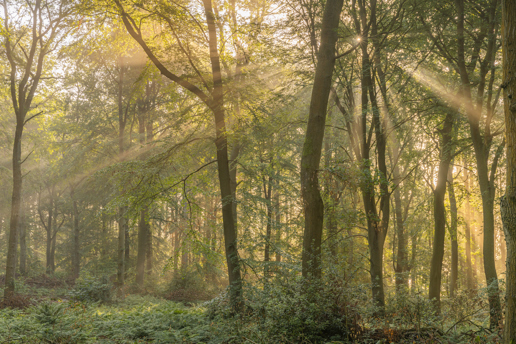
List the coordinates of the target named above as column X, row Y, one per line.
column 127, row 252
column 148, row 253
column 440, row 213
column 313, row 205
column 267, row 189
column 495, row 308
column 103, row 249
column 142, row 248
column 277, row 223
column 143, row 222
column 123, row 239
column 235, row 152
column 121, row 248
column 413, row 275
column 221, row 143
column 215, row 101
column 10, row 269
column 467, row 225
column 508, row 201
column 453, row 235
column 402, row 263
column 23, row 241
column 50, row 231
column 76, row 255
column 481, row 147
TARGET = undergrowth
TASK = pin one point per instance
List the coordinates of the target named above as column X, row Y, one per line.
column 277, row 310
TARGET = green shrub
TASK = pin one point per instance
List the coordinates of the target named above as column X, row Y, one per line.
column 90, row 289
column 56, row 326
column 190, row 286
column 300, row 311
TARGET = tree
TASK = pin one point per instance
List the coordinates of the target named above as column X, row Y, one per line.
column 311, row 157
column 213, row 98
column 508, row 201
column 472, row 60
column 27, row 51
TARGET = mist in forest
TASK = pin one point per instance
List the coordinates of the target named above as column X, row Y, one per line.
column 259, row 171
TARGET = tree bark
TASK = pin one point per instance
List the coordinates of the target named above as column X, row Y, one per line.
column 508, row 201
column 313, row 205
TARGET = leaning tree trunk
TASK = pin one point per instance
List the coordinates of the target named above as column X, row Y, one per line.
column 313, row 205
column 508, row 202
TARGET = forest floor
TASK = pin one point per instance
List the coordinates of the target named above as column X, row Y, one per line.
column 48, row 310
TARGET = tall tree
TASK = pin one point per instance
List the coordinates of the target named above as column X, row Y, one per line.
column 446, row 150
column 211, row 93
column 27, row 47
column 508, row 201
column 473, row 60
column 313, row 205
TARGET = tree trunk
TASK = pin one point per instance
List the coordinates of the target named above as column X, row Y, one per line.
column 104, row 248
column 121, row 249
column 50, row 231
column 215, row 102
column 508, row 201
column 23, row 241
column 127, row 253
column 481, row 146
column 76, row 255
column 221, row 143
column 434, row 290
column 413, row 275
column 313, row 205
column 148, row 253
column 453, row 235
column 143, row 222
column 123, row 239
column 495, row 308
column 142, row 248
column 467, row 215
column 402, row 263
column 267, row 189
column 277, row 223
column 10, row 269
